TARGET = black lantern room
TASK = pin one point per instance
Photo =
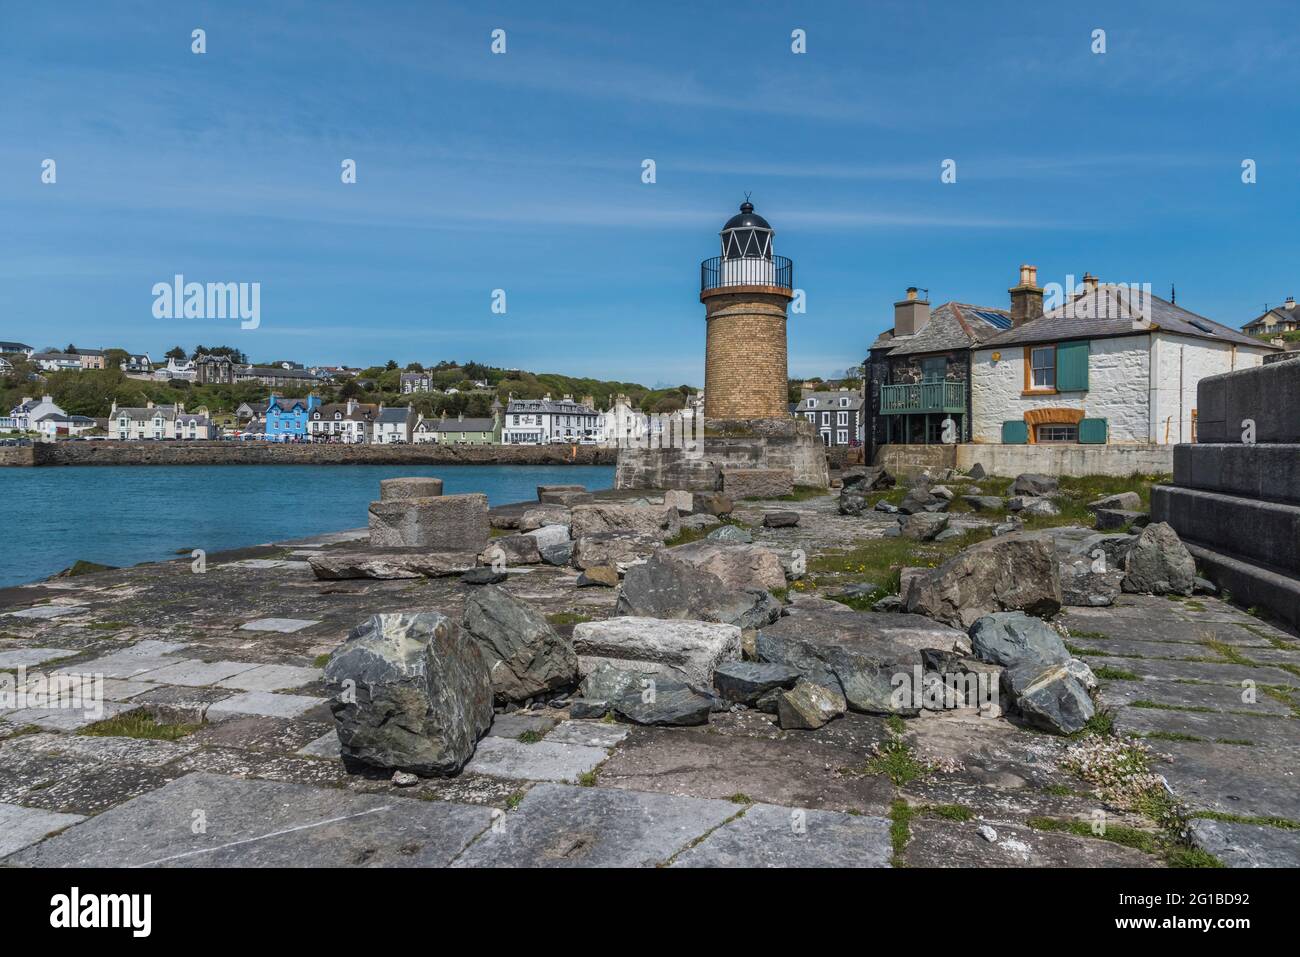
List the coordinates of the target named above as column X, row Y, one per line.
column 747, row 235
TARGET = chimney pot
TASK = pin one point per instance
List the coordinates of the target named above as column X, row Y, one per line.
column 911, row 315
column 1290, row 302
column 1090, row 281
column 1027, row 297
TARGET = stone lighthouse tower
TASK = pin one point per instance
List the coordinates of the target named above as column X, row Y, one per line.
column 745, row 292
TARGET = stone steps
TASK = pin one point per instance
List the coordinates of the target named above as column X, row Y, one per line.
column 1251, row 584
column 1263, row 532
column 1270, row 472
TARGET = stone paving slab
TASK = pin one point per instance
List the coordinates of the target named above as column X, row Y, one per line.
column 593, row 734
column 95, row 790
column 1247, row 845
column 560, row 826
column 30, row 657
column 771, row 836
column 326, row 746
column 1225, row 674
column 272, row 678
column 117, row 665
column 63, row 719
column 542, row 761
column 47, row 611
column 1116, row 694
column 285, row 626
column 146, row 752
column 939, row 843
column 263, row 703
column 1132, row 648
column 1249, row 782
column 194, row 673
column 263, row 824
column 1123, row 627
column 23, row 826
column 1220, row 727
column 793, row 771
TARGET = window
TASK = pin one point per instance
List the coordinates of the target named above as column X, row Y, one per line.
column 844, row 403
column 841, row 418
column 826, row 418
column 812, row 403
column 934, row 369
column 1042, row 367
column 1057, row 433
column 842, row 437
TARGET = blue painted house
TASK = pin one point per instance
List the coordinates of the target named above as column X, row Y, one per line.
column 286, row 419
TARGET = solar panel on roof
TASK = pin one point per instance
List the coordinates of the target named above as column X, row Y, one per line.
column 1202, row 326
column 994, row 319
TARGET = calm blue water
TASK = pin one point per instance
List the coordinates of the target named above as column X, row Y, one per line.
column 122, row 515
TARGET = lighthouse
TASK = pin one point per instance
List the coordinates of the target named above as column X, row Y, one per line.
column 745, row 292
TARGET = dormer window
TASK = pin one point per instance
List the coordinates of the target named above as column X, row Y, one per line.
column 812, row 403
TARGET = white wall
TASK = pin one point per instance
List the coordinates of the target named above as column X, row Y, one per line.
column 1181, row 362
column 1118, row 381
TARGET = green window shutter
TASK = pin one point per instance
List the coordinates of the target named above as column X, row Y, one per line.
column 1015, row 432
column 1072, row 366
column 1092, row 431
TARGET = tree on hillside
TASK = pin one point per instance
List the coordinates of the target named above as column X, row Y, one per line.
column 235, row 354
column 175, row 352
column 390, row 365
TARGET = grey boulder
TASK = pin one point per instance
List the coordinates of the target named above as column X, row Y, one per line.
column 1010, row 573
column 1009, row 638
column 525, row 655
column 1159, row 563
column 663, row 587
column 1029, row 483
column 409, row 692
column 1048, row 696
column 744, row 682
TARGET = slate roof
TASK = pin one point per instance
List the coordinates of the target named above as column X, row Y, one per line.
column 952, row 326
column 397, row 414
column 549, row 407
column 460, row 425
column 14, row 347
column 829, row 401
column 1112, row 310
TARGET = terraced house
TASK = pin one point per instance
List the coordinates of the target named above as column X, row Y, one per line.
column 349, row 422
column 459, row 430
column 837, row 414
column 918, row 372
column 150, row 422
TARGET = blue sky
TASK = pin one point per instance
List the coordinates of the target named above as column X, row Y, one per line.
column 523, row 171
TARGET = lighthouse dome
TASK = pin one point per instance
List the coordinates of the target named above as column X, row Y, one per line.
column 747, row 235
column 747, row 217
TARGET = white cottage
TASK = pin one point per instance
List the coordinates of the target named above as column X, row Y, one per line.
column 1113, row 365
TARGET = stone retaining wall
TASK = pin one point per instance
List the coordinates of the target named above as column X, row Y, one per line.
column 266, row 453
column 1008, row 461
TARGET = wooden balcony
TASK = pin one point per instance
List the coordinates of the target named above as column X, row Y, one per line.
column 919, row 397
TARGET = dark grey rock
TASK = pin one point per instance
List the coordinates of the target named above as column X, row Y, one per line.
column 924, row 526
column 1048, row 697
column 866, row 478
column 666, row 702
column 663, row 587
column 561, row 553
column 411, row 692
column 984, row 503
column 525, row 655
column 731, row 533
column 745, row 682
column 1110, row 519
column 1001, row 574
column 1030, row 484
column 887, row 507
column 1084, row 587
column 483, row 576
column 586, row 708
column 1127, row 501
column 1159, row 563
column 780, row 519
column 919, row 499
column 1010, row 638
column 807, row 706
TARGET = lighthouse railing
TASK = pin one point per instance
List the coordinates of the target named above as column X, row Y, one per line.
column 719, row 272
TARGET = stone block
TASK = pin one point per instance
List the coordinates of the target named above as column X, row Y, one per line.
column 1269, row 395
column 1269, row 472
column 689, row 649
column 442, row 523
column 1265, row 532
column 757, row 483
column 400, row 489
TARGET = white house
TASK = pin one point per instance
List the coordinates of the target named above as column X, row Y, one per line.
column 57, row 361
column 191, row 425
column 26, row 414
column 56, row 426
column 183, row 369
column 393, row 426
column 150, row 422
column 348, row 422
column 1112, row 365
column 543, row 421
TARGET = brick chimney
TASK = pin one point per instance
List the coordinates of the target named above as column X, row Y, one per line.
column 911, row 314
column 1026, row 297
